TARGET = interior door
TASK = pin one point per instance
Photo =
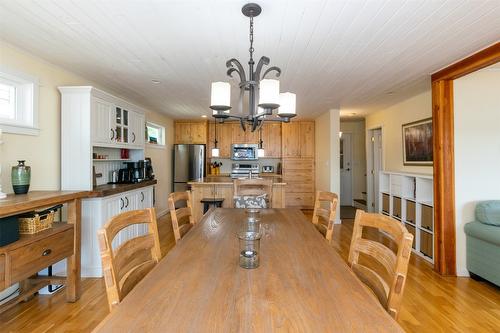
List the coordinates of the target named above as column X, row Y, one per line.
column 346, row 169
column 377, row 165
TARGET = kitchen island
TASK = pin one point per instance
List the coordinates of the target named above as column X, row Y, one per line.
column 222, row 187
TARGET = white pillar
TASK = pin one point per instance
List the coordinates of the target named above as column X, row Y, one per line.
column 335, row 156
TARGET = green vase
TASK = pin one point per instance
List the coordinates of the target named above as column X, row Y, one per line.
column 21, row 175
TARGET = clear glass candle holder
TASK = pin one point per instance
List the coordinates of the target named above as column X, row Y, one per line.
column 249, row 249
column 253, row 214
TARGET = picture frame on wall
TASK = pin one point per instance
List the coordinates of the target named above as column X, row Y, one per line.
column 417, row 143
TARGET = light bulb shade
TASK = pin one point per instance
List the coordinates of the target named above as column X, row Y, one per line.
column 221, row 96
column 269, row 93
column 215, row 152
column 261, row 152
column 340, row 134
column 287, row 105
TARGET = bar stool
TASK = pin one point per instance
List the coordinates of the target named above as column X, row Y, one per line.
column 211, row 202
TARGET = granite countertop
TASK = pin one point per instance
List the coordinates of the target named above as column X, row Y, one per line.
column 111, row 189
column 226, row 180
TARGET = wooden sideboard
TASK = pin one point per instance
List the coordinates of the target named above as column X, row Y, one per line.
column 20, row 261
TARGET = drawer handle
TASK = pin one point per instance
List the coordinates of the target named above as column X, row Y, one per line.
column 122, row 203
column 142, row 197
column 46, row 252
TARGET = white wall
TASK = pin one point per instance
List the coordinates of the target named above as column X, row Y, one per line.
column 357, row 130
column 391, row 120
column 327, row 152
column 477, row 149
column 42, row 152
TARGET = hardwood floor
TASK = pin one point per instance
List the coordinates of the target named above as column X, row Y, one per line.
column 432, row 303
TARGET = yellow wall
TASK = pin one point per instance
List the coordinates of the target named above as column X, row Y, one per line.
column 42, row 152
column 391, row 119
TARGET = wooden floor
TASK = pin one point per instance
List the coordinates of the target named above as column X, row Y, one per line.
column 431, row 303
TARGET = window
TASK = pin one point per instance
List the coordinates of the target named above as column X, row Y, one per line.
column 18, row 102
column 155, row 134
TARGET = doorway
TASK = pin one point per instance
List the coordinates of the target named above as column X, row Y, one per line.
column 346, row 169
column 374, row 166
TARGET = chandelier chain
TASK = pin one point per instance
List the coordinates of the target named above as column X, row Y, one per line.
column 251, row 49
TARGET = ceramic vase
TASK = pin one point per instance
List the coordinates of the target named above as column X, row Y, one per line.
column 21, row 175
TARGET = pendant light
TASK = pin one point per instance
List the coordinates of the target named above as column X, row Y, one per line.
column 215, row 150
column 260, row 151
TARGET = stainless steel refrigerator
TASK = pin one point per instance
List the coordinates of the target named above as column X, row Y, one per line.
column 189, row 164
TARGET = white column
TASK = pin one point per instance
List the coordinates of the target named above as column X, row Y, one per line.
column 335, row 156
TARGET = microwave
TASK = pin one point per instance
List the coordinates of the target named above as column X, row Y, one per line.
column 244, row 152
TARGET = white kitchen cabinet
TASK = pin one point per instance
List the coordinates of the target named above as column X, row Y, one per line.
column 137, row 129
column 101, row 126
column 96, row 212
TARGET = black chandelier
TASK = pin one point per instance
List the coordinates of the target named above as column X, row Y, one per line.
column 263, row 94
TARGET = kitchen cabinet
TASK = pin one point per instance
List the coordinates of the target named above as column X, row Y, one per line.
column 271, row 137
column 101, row 115
column 238, row 135
column 137, row 129
column 96, row 212
column 298, row 139
column 306, row 135
column 190, row 132
column 224, row 138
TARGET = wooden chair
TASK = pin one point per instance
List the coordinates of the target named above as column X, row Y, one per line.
column 254, row 188
column 182, row 218
column 389, row 290
column 322, row 215
column 126, row 265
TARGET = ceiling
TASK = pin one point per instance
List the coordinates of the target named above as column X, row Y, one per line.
column 354, row 55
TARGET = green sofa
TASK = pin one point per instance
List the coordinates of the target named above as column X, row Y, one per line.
column 483, row 242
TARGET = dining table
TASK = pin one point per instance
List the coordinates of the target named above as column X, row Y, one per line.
column 301, row 285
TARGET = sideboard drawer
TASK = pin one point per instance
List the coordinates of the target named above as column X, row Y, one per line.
column 37, row 256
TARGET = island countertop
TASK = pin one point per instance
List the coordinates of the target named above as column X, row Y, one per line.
column 226, row 180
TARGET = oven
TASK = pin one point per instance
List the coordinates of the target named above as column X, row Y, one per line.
column 244, row 152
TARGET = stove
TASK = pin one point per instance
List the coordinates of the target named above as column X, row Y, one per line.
column 243, row 170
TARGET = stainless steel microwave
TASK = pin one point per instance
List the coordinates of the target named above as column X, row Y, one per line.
column 244, row 152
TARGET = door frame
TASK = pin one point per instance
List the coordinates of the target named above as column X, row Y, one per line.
column 352, row 168
column 369, row 164
column 444, row 160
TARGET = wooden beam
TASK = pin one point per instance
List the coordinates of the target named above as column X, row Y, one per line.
column 479, row 60
column 444, row 177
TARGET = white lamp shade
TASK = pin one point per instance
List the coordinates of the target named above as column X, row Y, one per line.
column 269, row 93
column 215, row 152
column 221, row 94
column 287, row 104
column 340, row 134
column 261, row 152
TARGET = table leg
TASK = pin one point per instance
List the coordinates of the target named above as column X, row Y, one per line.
column 73, row 288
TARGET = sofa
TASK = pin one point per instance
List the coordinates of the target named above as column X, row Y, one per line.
column 483, row 242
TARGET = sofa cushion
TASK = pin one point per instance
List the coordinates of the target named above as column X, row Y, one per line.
column 488, row 212
column 485, row 232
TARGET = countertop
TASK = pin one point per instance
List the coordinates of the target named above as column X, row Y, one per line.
column 111, row 189
column 226, row 180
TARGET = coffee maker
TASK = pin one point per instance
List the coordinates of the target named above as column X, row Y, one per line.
column 148, row 169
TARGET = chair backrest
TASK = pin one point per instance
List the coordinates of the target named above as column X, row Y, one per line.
column 389, row 290
column 182, row 218
column 127, row 264
column 327, row 214
column 254, row 187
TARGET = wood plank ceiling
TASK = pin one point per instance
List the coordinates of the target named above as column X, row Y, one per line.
column 345, row 53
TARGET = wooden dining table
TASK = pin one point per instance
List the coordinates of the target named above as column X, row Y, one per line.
column 301, row 285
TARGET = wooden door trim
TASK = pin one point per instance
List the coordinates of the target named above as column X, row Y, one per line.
column 444, row 162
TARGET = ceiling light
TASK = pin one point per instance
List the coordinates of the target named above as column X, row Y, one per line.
column 155, row 81
column 263, row 93
column 204, row 116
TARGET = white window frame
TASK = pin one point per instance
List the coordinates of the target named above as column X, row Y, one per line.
column 161, row 139
column 27, row 86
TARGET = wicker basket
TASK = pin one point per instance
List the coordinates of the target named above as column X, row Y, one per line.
column 36, row 223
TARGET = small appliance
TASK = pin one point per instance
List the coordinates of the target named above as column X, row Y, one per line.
column 114, row 177
column 244, row 152
column 244, row 170
column 124, row 176
column 267, row 168
column 148, row 169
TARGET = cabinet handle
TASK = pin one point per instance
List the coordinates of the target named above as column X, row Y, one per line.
column 127, row 202
column 112, row 134
column 46, row 252
column 142, row 197
column 133, row 134
column 122, row 203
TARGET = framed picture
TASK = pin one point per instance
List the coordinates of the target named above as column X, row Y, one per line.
column 417, row 142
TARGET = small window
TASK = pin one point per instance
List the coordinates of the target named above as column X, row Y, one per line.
column 155, row 134
column 18, row 102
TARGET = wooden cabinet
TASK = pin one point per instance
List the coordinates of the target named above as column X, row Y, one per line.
column 190, row 132
column 298, row 139
column 271, row 137
column 224, row 139
column 240, row 136
column 307, row 137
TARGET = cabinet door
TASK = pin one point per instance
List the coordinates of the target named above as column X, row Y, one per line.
column 226, row 192
column 102, row 113
column 211, row 138
column 137, row 128
column 291, row 139
column 251, row 137
column 238, row 135
column 183, row 133
column 199, row 133
column 307, row 139
column 271, row 135
column 225, row 140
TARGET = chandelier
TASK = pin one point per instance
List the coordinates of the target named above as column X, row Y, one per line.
column 263, row 94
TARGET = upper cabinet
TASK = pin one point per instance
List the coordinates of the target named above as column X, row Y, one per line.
column 224, row 139
column 271, row 137
column 189, row 132
column 298, row 139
